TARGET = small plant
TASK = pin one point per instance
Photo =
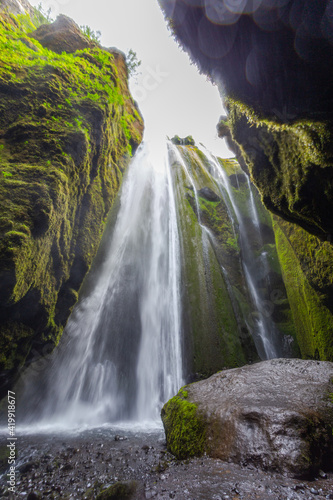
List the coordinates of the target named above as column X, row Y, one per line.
column 91, row 34
column 40, row 16
column 7, row 174
column 132, row 63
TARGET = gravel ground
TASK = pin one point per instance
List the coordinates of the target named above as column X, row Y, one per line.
column 80, row 465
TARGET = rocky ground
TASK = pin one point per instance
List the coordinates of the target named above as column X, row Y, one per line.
column 81, row 465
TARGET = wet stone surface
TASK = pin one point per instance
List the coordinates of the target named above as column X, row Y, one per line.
column 81, row 465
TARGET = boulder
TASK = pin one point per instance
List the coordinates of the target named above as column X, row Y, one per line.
column 277, row 414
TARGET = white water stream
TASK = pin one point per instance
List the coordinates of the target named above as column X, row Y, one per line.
column 120, row 357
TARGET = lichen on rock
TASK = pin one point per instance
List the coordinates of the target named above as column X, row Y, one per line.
column 68, row 126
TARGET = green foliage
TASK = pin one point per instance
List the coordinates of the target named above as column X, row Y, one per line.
column 7, row 174
column 123, row 491
column 132, row 63
column 233, row 243
column 187, row 141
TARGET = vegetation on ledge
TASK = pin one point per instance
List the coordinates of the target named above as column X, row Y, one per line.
column 68, row 126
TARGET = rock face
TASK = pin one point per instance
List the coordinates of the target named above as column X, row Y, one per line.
column 276, row 414
column 16, row 7
column 307, row 270
column 272, row 54
column 271, row 61
column 68, row 126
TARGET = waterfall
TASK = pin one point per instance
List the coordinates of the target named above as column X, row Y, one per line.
column 120, row 356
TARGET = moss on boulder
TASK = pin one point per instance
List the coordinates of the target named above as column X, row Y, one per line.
column 68, row 126
column 126, row 490
column 184, row 427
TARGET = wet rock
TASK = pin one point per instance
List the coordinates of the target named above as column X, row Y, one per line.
column 33, row 496
column 275, row 414
column 120, row 438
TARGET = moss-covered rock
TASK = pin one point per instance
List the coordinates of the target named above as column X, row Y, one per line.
column 186, row 141
column 215, row 331
column 272, row 66
column 126, row 490
column 220, row 318
column 307, row 266
column 68, row 126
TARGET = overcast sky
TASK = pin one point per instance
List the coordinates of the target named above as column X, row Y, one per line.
column 173, row 97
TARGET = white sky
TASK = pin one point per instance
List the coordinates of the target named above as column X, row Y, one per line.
column 173, row 97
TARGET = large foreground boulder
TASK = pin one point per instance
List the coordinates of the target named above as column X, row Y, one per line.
column 277, row 414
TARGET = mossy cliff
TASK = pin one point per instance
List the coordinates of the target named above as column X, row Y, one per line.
column 272, row 66
column 307, row 266
column 212, row 335
column 68, row 126
column 220, row 317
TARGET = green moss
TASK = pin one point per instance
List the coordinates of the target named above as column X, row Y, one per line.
column 68, row 124
column 313, row 320
column 184, row 427
column 213, row 319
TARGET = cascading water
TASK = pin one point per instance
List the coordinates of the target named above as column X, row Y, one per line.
column 120, row 357
column 265, row 334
